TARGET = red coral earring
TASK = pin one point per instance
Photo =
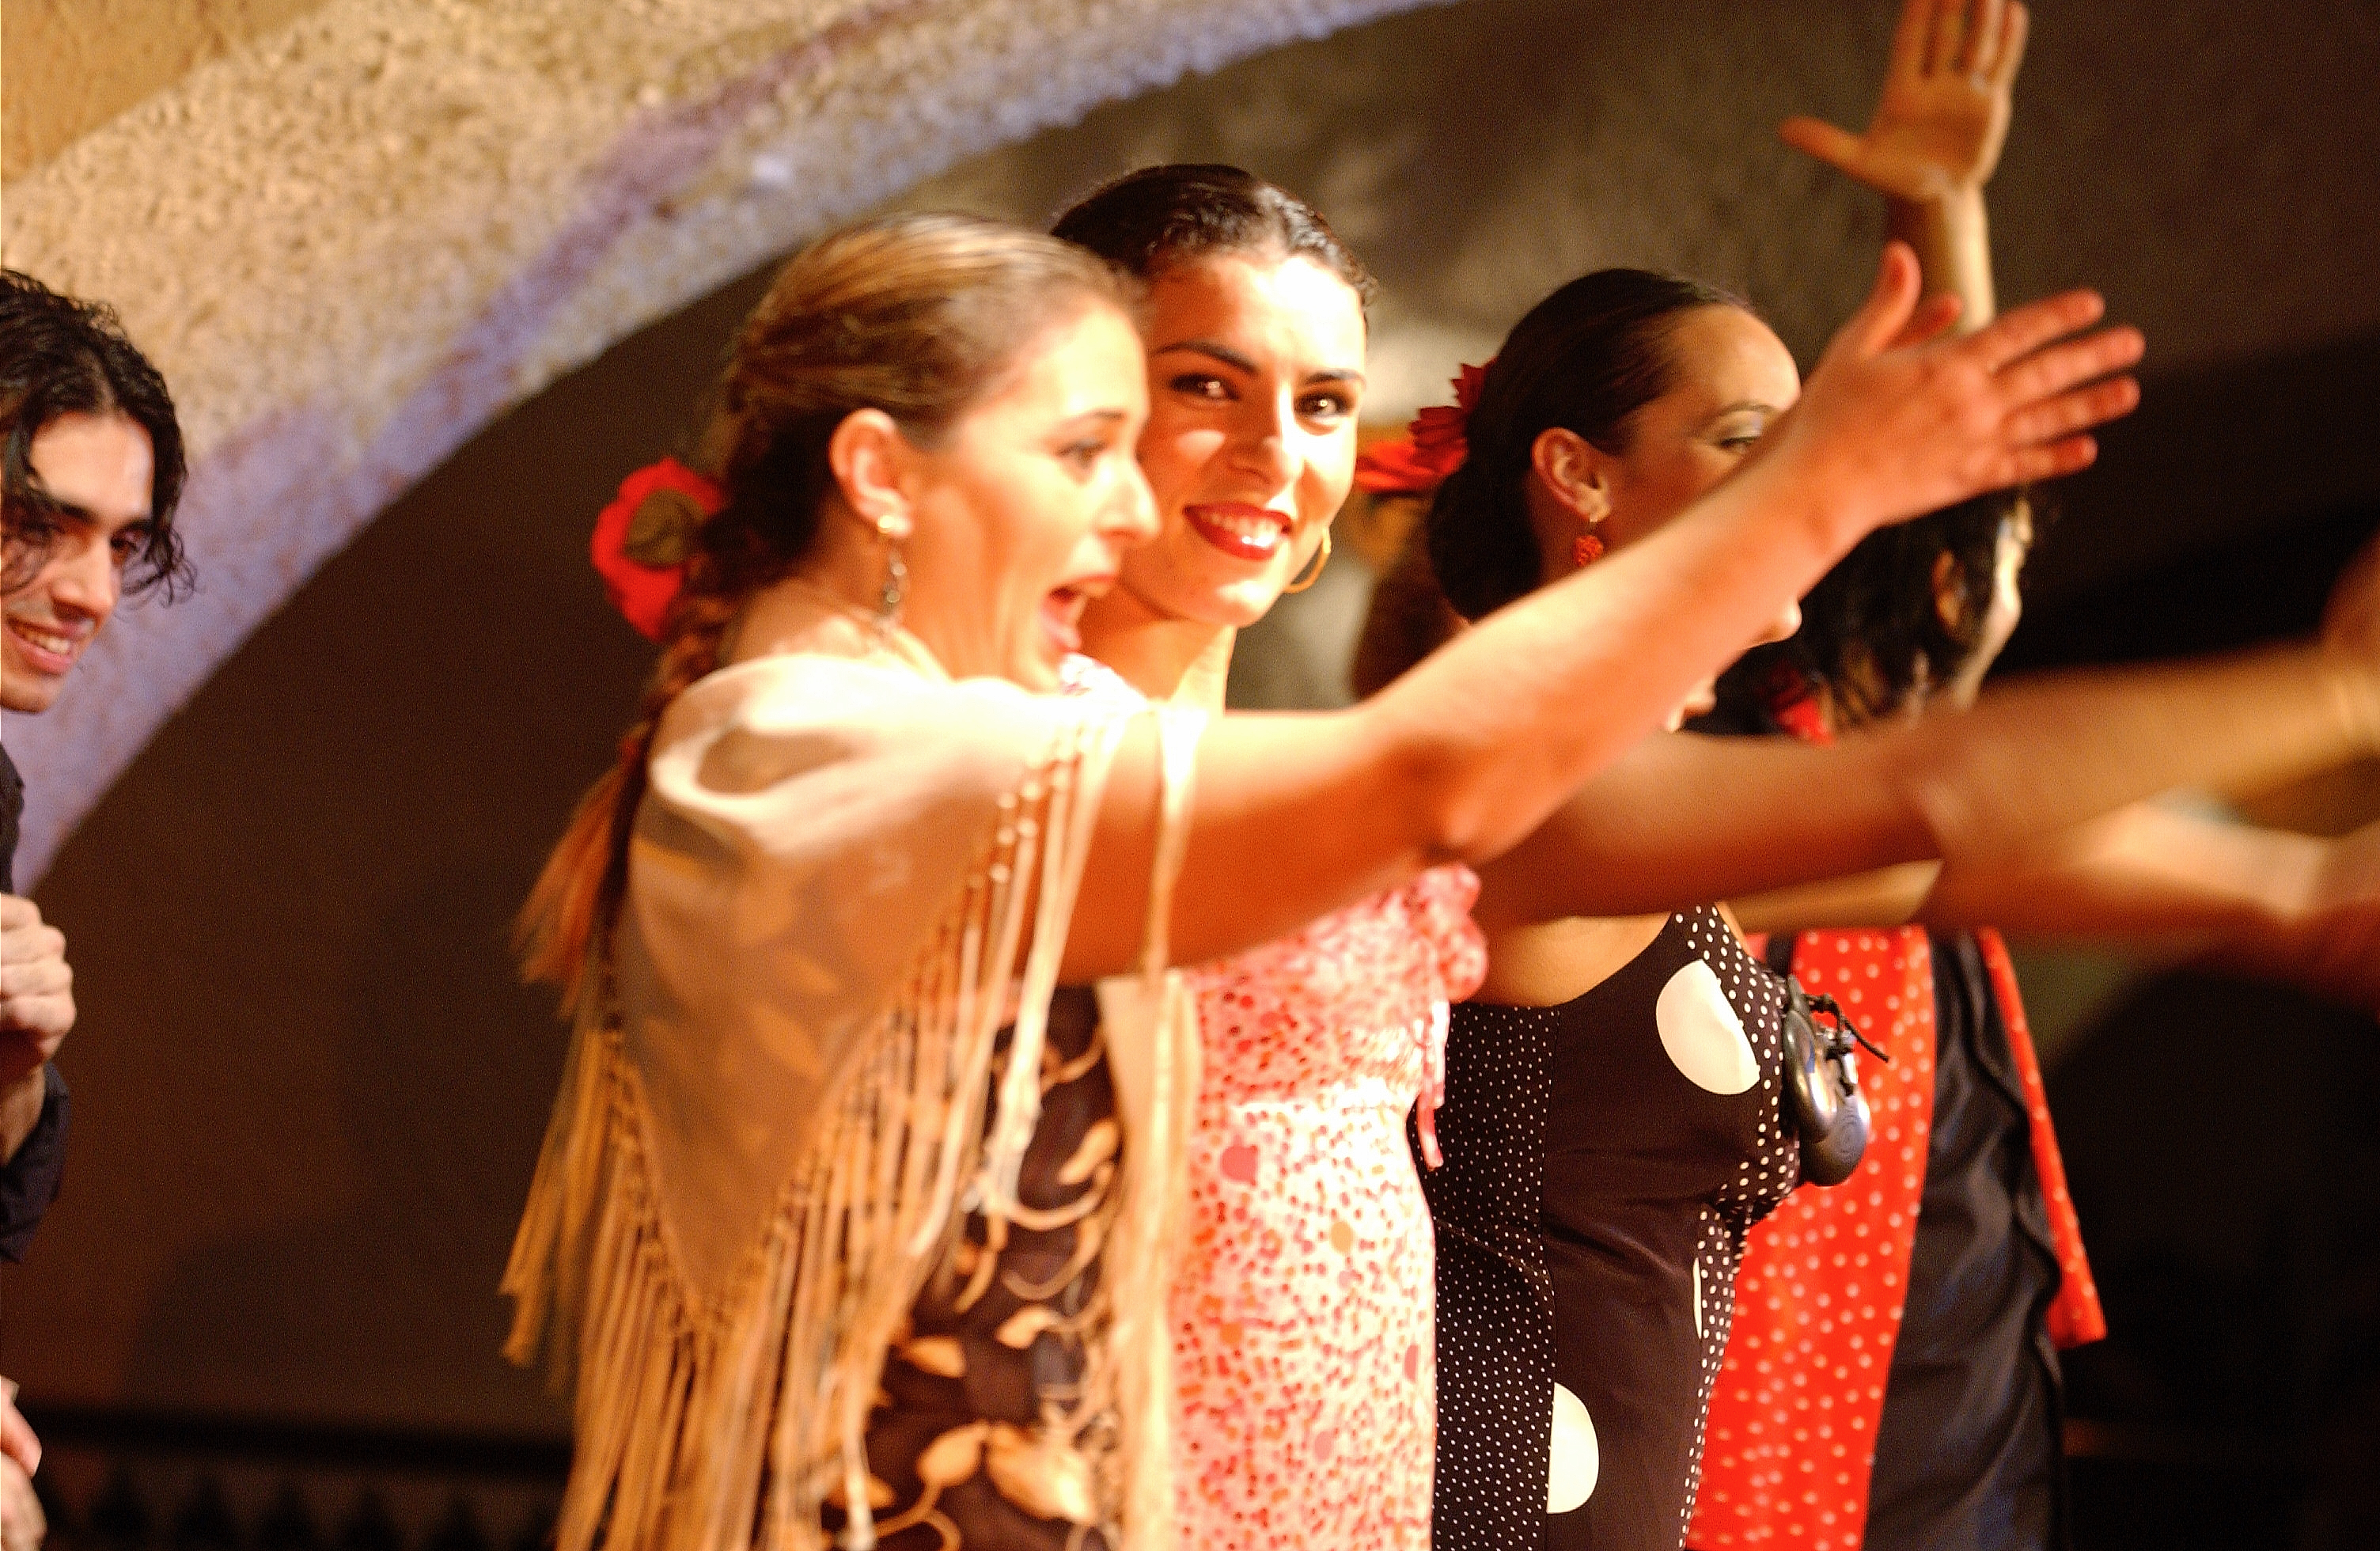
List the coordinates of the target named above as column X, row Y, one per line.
column 1586, row 550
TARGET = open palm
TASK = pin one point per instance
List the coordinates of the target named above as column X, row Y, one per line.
column 1944, row 114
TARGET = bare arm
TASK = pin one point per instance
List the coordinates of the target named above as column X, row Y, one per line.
column 2146, row 873
column 1461, row 758
column 2303, row 909
column 2143, row 874
column 2264, row 903
column 1936, row 138
column 1682, row 819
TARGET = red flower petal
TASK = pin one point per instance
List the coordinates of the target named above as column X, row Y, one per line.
column 643, row 593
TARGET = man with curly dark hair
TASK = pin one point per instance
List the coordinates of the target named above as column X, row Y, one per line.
column 91, row 467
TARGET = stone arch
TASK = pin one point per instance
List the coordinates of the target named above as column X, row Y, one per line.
column 352, row 241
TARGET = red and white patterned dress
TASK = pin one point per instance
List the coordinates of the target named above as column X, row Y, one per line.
column 1303, row 1308
column 1304, row 1305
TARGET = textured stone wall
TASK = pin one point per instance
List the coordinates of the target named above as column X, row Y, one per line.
column 69, row 66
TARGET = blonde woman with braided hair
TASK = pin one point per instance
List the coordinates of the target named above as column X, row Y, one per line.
column 853, row 1218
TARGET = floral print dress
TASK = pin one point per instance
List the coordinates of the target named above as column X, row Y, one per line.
column 1305, row 1357
column 1302, row 1309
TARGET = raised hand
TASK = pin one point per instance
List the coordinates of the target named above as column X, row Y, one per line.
column 1897, row 420
column 1944, row 114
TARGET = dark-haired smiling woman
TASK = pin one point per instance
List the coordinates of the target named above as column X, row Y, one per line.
column 827, row 1103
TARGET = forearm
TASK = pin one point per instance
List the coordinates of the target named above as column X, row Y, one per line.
column 1951, row 235
column 2141, row 875
column 1463, row 757
column 1884, row 897
column 1684, row 819
column 2039, row 758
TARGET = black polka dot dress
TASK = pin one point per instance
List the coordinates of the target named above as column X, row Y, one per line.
column 1604, row 1160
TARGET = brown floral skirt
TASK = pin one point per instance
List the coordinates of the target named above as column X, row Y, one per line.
column 978, row 1441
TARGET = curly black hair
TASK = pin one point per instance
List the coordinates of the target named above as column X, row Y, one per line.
column 59, row 356
column 1873, row 634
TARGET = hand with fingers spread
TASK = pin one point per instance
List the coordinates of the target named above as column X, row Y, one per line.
column 1898, row 419
column 36, row 990
column 1944, row 114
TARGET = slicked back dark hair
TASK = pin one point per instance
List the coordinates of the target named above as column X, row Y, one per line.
column 1158, row 216
column 1585, row 358
column 63, row 357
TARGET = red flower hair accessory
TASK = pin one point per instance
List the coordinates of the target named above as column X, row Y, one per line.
column 1433, row 446
column 1793, row 704
column 642, row 538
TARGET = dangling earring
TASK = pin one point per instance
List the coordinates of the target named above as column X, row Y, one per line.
column 1585, row 549
column 896, row 581
column 1322, row 559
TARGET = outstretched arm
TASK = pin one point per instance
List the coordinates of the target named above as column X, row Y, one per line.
column 1936, row 138
column 2144, row 873
column 1470, row 752
column 1680, row 818
column 2265, row 902
column 2269, row 903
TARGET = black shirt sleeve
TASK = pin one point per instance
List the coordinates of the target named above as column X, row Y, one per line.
column 29, row 1182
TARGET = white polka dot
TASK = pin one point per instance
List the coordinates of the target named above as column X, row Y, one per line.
column 1702, row 1034
column 1576, row 1461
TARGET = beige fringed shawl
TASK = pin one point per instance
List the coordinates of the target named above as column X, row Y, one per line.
column 848, row 874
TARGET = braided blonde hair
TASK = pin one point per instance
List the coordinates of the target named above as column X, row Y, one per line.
column 922, row 317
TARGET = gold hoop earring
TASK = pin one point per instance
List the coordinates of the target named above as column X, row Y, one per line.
column 1322, row 559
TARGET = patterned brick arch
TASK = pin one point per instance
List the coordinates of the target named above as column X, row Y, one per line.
column 352, row 242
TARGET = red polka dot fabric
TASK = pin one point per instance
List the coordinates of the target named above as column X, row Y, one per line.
column 1818, row 1302
column 2075, row 1317
column 1792, row 1433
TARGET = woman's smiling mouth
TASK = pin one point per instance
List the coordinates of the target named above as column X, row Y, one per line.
column 1242, row 531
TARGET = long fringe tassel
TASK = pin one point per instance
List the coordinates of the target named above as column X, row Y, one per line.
column 712, row 1426
column 1138, row 1279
